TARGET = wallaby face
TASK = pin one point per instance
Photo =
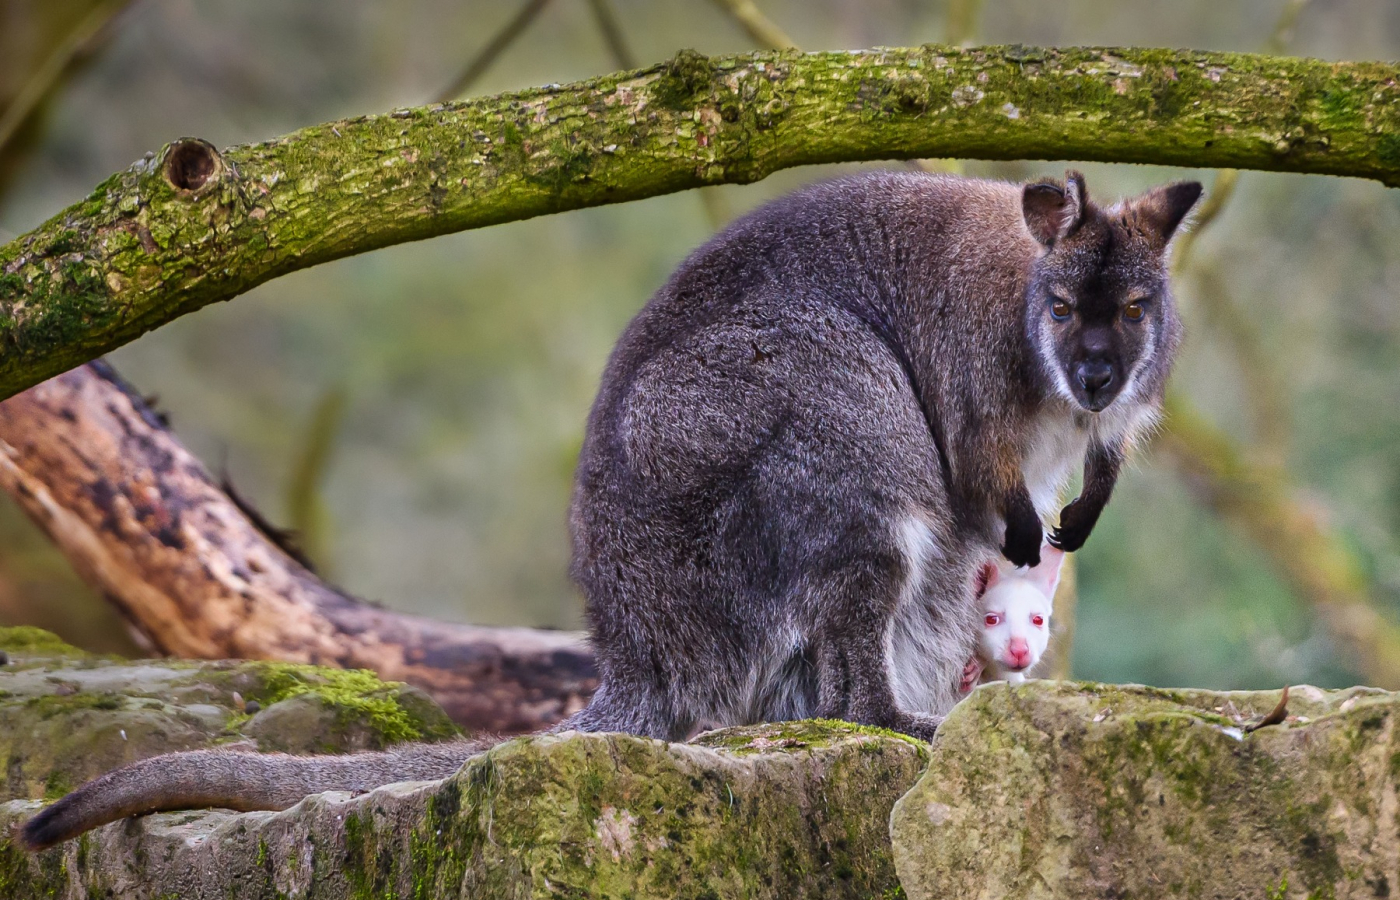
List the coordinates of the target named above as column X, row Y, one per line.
column 1098, row 305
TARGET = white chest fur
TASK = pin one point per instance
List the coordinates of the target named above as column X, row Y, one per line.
column 1056, row 446
column 1059, row 438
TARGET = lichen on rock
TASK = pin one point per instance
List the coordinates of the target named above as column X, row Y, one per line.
column 1043, row 790
column 792, row 810
column 67, row 716
column 1079, row 790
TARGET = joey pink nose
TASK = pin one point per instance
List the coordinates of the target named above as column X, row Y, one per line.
column 1018, row 652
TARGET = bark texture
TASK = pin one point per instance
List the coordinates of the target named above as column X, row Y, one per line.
column 142, row 520
column 191, row 225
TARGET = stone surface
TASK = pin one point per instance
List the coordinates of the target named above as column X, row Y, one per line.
column 1073, row 791
column 67, row 716
column 1043, row 790
column 784, row 811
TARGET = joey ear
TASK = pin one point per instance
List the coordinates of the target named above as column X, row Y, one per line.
column 1054, row 212
column 1047, row 574
column 987, row 576
column 1162, row 209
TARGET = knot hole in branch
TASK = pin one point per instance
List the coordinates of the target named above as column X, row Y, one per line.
column 190, row 163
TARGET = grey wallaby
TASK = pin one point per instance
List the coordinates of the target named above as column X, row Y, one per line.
column 803, row 450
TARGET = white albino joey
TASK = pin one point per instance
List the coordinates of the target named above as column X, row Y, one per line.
column 1016, row 605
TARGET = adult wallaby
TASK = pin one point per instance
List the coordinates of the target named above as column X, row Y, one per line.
column 803, row 449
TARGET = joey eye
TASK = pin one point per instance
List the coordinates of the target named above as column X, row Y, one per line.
column 992, row 619
column 1133, row 312
column 1038, row 621
column 1059, row 309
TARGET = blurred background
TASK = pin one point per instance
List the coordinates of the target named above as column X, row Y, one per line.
column 416, row 412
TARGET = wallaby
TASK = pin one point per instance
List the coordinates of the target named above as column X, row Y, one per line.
column 1016, row 604
column 803, row 448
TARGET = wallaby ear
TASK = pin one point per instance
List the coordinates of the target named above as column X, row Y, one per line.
column 1053, row 212
column 1047, row 574
column 1161, row 210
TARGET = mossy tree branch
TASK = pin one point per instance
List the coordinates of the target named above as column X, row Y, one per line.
column 190, row 226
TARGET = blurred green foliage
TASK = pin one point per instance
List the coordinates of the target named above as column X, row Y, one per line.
column 467, row 364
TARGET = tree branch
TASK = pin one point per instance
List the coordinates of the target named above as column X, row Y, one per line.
column 143, row 522
column 191, row 226
column 1260, row 500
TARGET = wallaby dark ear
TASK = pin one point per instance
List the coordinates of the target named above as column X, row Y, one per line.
column 1053, row 212
column 1162, row 209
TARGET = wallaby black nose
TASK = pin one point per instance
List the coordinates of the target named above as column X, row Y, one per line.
column 1094, row 376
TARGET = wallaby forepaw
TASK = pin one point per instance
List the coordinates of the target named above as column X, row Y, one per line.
column 1075, row 524
column 1023, row 539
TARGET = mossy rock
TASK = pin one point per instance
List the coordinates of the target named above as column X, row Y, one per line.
column 1042, row 790
column 785, row 811
column 1082, row 790
column 25, row 642
column 67, row 716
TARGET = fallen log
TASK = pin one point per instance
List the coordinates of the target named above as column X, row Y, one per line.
column 142, row 520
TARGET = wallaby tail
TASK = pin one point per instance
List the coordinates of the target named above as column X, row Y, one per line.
column 238, row 780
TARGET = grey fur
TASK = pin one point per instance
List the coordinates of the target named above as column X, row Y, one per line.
column 802, row 450
column 813, row 435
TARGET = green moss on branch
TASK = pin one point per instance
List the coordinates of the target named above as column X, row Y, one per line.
column 191, row 226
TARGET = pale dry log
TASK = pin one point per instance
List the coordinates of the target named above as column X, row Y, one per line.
column 143, row 521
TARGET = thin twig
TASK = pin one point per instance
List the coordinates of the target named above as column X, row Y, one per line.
column 962, row 22
column 305, row 508
column 493, row 49
column 764, row 31
column 606, row 19
column 1284, row 28
column 1220, row 193
column 42, row 80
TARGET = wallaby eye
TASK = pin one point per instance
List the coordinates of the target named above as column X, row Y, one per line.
column 1038, row 621
column 1133, row 312
column 1059, row 309
column 992, row 619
